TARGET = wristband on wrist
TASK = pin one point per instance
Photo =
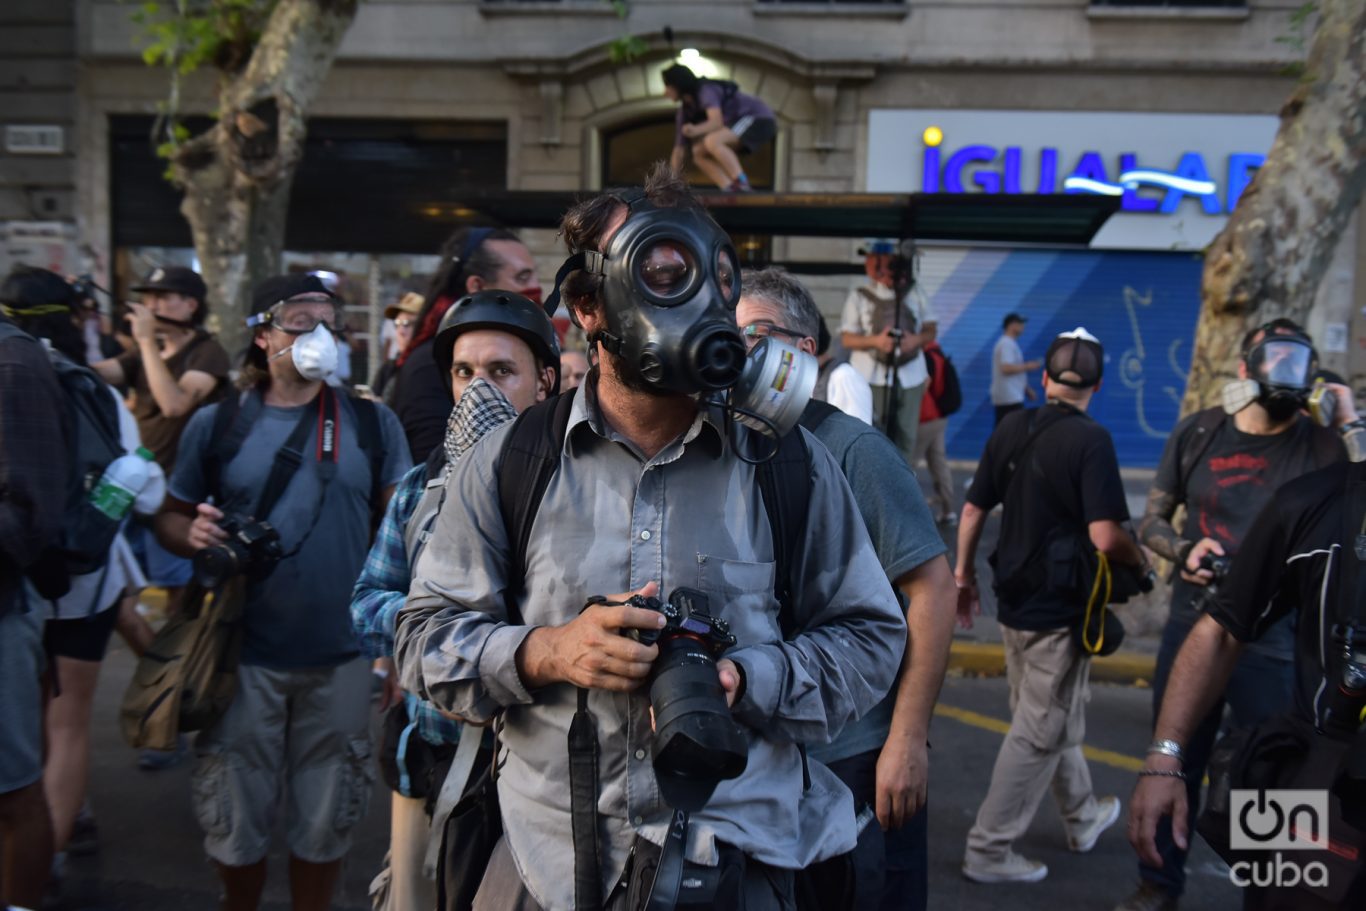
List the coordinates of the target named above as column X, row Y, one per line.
column 1352, row 427
column 1167, row 748
column 1162, row 773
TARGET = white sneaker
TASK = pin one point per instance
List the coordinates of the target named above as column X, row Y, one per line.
column 1015, row 868
column 1107, row 811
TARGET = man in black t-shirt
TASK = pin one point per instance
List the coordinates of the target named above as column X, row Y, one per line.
column 1292, row 563
column 1224, row 468
column 1056, row 473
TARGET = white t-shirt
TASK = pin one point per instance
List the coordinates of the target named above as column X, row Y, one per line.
column 859, row 316
column 850, row 393
column 1007, row 390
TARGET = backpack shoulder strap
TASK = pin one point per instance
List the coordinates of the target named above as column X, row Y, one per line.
column 1194, row 443
column 231, row 424
column 785, row 485
column 530, row 456
column 370, row 437
column 816, row 413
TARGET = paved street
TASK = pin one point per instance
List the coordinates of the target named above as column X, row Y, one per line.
column 150, row 857
column 151, row 860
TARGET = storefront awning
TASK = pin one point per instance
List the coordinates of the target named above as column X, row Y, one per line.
column 1055, row 219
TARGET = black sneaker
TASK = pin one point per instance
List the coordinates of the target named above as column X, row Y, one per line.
column 85, row 835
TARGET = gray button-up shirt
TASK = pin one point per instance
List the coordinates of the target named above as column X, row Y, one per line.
column 612, row 521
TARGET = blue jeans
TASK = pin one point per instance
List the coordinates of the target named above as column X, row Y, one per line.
column 1261, row 686
column 891, row 869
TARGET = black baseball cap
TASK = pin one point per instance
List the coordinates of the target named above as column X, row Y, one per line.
column 175, row 279
column 1012, row 317
column 1075, row 359
column 279, row 288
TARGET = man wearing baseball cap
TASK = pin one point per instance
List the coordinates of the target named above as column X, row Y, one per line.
column 1055, row 471
column 1009, row 369
column 176, row 368
column 319, row 466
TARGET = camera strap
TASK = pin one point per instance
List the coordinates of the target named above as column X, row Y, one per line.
column 669, row 873
column 322, row 412
column 583, row 804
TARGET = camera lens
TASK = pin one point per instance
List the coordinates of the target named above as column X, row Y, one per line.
column 215, row 565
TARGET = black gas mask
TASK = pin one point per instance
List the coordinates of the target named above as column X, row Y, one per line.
column 669, row 288
column 1283, row 367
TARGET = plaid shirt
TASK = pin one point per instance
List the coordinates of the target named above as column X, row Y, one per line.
column 382, row 587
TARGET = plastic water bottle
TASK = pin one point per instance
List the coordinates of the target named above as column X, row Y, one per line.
column 121, row 482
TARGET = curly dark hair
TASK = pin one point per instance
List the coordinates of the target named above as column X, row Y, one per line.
column 583, row 226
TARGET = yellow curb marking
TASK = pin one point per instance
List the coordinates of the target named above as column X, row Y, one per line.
column 997, row 726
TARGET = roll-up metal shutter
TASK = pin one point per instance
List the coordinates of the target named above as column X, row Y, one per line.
column 1143, row 306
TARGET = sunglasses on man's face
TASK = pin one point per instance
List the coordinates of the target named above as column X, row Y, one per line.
column 405, row 323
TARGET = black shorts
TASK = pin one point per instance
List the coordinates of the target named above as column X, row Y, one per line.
column 81, row 638
column 754, row 132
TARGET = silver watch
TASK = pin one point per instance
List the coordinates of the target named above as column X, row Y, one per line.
column 1167, row 748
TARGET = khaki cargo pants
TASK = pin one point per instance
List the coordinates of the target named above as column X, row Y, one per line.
column 1048, row 694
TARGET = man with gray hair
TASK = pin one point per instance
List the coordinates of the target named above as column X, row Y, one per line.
column 883, row 757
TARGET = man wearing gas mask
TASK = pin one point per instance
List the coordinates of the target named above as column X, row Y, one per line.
column 1223, row 465
column 648, row 492
column 298, row 471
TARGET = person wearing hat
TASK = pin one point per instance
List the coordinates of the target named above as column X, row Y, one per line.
column 404, row 316
column 177, row 366
column 301, row 711
column 1223, row 465
column 1056, row 472
column 892, row 364
column 499, row 355
column 1009, row 369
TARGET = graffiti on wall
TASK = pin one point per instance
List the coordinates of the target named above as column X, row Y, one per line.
column 1143, row 307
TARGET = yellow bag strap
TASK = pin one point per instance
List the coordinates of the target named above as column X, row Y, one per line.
column 1102, row 577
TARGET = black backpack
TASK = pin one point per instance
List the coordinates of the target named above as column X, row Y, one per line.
column 950, row 398
column 91, row 427
column 531, row 455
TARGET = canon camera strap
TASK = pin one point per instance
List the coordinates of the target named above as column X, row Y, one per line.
column 323, row 413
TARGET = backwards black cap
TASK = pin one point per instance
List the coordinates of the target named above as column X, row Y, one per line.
column 1075, row 359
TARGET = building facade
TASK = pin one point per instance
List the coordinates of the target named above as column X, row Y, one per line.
column 431, row 98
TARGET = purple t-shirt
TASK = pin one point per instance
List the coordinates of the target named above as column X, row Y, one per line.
column 733, row 109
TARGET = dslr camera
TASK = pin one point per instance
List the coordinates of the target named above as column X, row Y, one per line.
column 697, row 743
column 1219, row 566
column 252, row 549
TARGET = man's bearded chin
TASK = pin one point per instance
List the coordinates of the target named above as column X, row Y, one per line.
column 630, row 379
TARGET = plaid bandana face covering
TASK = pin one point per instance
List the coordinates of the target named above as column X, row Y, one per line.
column 482, row 408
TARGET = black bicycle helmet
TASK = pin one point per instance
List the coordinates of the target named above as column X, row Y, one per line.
column 503, row 311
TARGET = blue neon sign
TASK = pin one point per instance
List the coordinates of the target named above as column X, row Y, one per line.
column 988, row 169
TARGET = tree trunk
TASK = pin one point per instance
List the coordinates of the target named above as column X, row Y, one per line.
column 1270, row 257
column 237, row 176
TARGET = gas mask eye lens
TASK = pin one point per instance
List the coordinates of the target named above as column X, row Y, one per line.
column 1283, row 363
column 726, row 276
column 666, row 270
